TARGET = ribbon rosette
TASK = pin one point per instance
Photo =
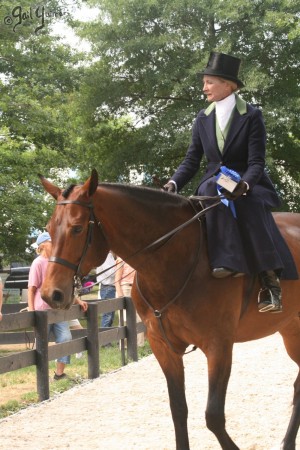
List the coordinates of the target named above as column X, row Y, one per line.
column 235, row 177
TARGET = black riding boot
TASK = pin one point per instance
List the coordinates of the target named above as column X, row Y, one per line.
column 269, row 297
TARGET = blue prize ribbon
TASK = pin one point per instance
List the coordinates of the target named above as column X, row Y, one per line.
column 235, row 177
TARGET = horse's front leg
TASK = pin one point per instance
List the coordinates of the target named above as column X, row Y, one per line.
column 173, row 369
column 219, row 359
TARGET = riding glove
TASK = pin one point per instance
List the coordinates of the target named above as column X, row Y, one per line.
column 170, row 187
column 240, row 189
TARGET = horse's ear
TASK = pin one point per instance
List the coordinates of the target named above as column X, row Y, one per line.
column 49, row 187
column 92, row 183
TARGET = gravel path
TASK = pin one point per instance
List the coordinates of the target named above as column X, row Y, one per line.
column 129, row 409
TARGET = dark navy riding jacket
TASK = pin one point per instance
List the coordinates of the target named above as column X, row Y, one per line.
column 244, row 150
column 250, row 243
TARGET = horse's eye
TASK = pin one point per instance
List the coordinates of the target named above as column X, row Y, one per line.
column 77, row 229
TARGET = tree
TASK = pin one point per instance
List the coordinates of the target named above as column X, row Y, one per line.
column 38, row 76
column 128, row 106
column 147, row 56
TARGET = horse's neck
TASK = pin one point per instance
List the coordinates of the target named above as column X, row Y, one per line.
column 131, row 224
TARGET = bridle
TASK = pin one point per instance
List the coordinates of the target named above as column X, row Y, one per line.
column 76, row 268
column 91, row 223
column 164, row 238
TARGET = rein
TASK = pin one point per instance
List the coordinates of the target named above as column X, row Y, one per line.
column 157, row 313
column 88, row 241
column 76, row 268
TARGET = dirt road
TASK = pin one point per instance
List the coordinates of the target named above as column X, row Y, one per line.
column 129, row 409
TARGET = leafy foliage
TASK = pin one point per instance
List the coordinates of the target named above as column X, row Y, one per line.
column 127, row 107
column 147, row 56
column 38, row 77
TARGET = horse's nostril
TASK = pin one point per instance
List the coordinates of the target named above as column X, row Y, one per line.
column 57, row 296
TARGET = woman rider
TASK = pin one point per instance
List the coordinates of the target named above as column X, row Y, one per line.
column 231, row 133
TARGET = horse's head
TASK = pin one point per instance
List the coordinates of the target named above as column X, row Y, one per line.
column 73, row 228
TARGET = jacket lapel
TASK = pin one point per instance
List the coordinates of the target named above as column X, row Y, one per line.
column 208, row 121
column 238, row 120
column 237, row 123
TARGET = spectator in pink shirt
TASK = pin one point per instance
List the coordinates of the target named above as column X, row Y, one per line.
column 37, row 272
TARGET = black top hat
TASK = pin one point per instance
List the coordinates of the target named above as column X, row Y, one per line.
column 224, row 66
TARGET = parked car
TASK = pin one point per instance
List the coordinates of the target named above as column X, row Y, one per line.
column 18, row 276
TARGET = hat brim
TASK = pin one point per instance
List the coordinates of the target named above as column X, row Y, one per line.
column 213, row 73
column 44, row 240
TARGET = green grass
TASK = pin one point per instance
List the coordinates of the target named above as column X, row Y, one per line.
column 20, row 385
column 9, row 408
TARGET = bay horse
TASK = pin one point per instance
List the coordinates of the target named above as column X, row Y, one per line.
column 174, row 293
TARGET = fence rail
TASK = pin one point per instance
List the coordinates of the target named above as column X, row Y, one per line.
column 17, row 327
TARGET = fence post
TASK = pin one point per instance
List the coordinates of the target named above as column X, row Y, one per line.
column 93, row 341
column 131, row 329
column 42, row 365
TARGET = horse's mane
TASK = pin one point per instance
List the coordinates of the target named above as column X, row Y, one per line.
column 146, row 193
column 138, row 192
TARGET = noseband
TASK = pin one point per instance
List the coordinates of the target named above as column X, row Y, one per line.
column 88, row 241
column 64, row 262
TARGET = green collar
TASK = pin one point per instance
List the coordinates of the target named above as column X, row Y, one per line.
column 241, row 106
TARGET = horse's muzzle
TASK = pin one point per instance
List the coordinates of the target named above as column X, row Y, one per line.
column 57, row 298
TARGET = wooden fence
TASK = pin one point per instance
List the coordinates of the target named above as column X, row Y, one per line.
column 19, row 327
